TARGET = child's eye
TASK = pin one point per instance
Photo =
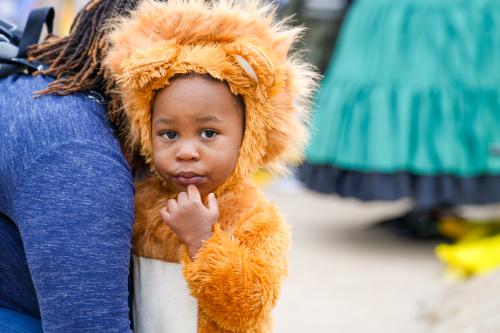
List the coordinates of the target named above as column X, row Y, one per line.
column 169, row 135
column 208, row 134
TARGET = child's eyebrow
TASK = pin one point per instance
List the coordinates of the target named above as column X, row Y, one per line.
column 164, row 120
column 207, row 119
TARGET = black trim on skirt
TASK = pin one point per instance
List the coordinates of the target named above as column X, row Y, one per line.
column 426, row 191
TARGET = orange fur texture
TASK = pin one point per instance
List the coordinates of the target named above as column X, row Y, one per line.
column 237, row 274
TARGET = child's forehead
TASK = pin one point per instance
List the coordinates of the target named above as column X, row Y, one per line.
column 194, row 88
column 203, row 78
column 197, row 99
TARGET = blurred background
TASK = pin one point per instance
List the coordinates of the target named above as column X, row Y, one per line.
column 16, row 11
column 395, row 211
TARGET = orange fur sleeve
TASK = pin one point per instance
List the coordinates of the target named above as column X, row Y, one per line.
column 236, row 276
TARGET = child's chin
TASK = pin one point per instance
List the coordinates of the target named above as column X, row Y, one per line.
column 203, row 191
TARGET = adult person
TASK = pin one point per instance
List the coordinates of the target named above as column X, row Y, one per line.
column 409, row 109
column 66, row 189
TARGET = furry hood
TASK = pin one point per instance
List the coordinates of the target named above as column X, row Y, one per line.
column 235, row 41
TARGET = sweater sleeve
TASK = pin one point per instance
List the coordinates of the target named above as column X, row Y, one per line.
column 74, row 210
column 237, row 277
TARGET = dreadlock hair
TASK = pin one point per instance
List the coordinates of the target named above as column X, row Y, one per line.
column 75, row 60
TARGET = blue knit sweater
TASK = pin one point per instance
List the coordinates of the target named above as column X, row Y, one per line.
column 66, row 211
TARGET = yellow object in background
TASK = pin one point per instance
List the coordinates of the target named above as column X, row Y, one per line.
column 471, row 258
column 453, row 228
column 262, row 177
column 462, row 230
column 66, row 15
column 477, row 251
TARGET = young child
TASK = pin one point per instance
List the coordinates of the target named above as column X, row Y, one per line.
column 212, row 95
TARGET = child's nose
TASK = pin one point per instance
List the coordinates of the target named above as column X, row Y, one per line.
column 187, row 151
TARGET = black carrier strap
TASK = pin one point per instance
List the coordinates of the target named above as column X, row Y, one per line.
column 33, row 28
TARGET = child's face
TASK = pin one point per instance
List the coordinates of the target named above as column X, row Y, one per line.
column 197, row 128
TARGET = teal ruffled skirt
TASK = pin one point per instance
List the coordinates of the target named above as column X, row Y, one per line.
column 413, row 88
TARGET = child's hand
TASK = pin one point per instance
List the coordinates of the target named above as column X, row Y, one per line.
column 190, row 219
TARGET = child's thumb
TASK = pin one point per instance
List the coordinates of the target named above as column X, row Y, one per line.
column 213, row 205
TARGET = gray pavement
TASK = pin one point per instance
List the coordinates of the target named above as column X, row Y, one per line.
column 347, row 276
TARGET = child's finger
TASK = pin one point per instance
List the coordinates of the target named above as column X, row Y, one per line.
column 165, row 215
column 172, row 206
column 193, row 193
column 182, row 198
column 213, row 205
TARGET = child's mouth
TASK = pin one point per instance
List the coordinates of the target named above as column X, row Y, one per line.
column 188, row 178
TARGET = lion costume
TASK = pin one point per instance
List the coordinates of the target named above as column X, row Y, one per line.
column 236, row 275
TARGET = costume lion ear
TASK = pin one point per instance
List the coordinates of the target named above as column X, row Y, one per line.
column 147, row 65
column 246, row 67
column 254, row 63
